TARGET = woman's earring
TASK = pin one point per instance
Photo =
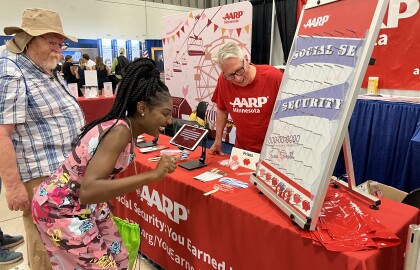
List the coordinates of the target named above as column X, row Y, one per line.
column 142, row 114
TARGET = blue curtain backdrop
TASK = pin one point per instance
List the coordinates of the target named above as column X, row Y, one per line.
column 385, row 144
column 150, row 43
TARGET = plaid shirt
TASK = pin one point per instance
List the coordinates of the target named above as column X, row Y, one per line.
column 46, row 116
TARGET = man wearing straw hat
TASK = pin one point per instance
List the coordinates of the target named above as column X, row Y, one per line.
column 38, row 116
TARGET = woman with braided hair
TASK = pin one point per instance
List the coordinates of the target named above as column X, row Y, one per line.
column 70, row 209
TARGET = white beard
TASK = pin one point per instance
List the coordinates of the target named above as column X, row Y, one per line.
column 52, row 61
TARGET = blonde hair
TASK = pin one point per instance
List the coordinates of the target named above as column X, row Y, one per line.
column 99, row 63
column 227, row 51
column 121, row 50
column 82, row 62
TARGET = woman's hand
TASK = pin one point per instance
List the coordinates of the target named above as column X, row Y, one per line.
column 167, row 164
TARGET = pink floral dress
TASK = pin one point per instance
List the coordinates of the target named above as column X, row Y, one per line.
column 79, row 236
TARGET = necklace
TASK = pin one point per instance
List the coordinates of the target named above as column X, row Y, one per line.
column 132, row 144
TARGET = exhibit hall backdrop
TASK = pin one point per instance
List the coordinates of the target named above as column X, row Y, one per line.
column 397, row 48
column 189, row 40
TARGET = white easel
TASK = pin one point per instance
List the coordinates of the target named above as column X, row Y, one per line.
column 351, row 182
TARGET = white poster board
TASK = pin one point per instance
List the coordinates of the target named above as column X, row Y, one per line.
column 91, row 78
column 328, row 60
column 106, row 51
column 189, row 40
column 135, row 49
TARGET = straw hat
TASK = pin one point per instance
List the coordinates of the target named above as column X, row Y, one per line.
column 35, row 22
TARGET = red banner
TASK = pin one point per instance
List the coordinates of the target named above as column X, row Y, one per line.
column 397, row 47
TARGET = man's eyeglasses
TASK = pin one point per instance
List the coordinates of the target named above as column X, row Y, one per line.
column 239, row 72
column 55, row 45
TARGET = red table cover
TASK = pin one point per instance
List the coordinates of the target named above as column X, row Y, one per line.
column 182, row 229
column 94, row 108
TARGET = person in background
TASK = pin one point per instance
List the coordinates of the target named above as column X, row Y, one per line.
column 89, row 63
column 71, row 206
column 102, row 71
column 159, row 63
column 248, row 93
column 38, row 116
column 59, row 66
column 80, row 75
column 118, row 64
column 7, row 241
column 69, row 70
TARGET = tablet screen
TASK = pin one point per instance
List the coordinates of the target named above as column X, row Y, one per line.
column 188, row 137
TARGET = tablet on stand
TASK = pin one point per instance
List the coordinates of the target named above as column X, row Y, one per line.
column 189, row 137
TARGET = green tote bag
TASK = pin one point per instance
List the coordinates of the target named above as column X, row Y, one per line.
column 130, row 235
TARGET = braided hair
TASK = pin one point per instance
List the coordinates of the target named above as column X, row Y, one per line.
column 141, row 82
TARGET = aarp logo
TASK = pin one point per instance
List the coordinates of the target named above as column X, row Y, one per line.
column 173, row 210
column 315, row 22
column 231, row 17
column 400, row 9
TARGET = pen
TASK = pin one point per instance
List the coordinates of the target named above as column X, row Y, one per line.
column 154, row 159
column 210, row 192
column 244, row 173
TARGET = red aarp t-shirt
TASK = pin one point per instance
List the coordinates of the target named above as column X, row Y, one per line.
column 250, row 107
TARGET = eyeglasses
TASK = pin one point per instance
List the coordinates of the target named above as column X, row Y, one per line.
column 239, row 72
column 55, row 45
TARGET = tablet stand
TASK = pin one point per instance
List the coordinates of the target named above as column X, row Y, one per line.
column 195, row 164
column 148, row 144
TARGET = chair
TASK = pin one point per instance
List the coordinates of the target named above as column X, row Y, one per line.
column 413, row 198
column 200, row 113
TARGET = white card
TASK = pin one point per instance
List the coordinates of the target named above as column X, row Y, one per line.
column 207, row 176
column 244, row 158
column 73, row 89
column 108, row 89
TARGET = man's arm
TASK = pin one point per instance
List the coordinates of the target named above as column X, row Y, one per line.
column 221, row 120
column 16, row 195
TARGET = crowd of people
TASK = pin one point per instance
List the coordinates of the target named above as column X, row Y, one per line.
column 73, row 73
column 63, row 183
